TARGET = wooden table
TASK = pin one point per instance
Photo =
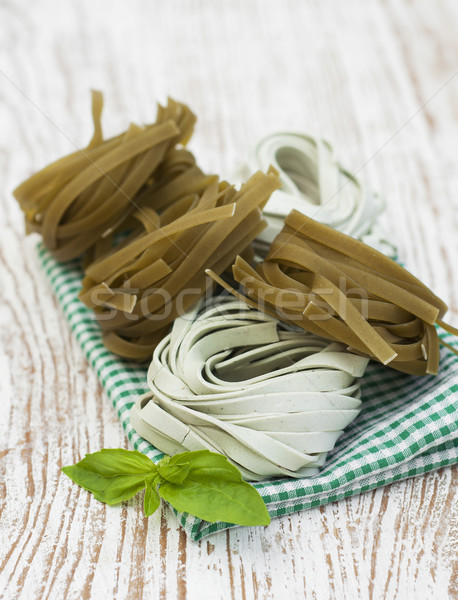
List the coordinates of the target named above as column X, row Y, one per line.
column 379, row 80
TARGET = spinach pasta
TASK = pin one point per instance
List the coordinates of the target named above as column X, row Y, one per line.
column 90, row 194
column 337, row 287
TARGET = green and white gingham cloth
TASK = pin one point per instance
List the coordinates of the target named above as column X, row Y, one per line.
column 408, row 425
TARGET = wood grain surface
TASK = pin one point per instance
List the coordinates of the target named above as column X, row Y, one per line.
column 380, row 81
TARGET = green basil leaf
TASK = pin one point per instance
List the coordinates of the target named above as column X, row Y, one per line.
column 215, row 491
column 210, row 465
column 175, row 468
column 114, row 461
column 217, row 500
column 112, row 474
column 111, row 490
column 151, row 501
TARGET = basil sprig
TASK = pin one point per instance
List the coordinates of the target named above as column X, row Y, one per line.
column 202, row 483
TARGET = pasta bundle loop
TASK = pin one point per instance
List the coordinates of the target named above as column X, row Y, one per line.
column 88, row 195
column 139, row 287
column 233, row 380
column 337, row 287
column 315, row 184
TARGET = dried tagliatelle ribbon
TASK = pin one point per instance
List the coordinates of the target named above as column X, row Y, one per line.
column 88, row 195
column 139, row 286
column 231, row 379
column 337, row 287
column 314, row 183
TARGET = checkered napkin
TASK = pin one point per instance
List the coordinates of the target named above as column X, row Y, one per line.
column 408, row 425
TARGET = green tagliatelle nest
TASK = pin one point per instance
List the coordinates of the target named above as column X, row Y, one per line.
column 337, row 287
column 81, row 200
column 140, row 287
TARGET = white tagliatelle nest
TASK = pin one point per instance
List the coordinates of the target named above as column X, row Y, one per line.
column 236, row 381
column 316, row 184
